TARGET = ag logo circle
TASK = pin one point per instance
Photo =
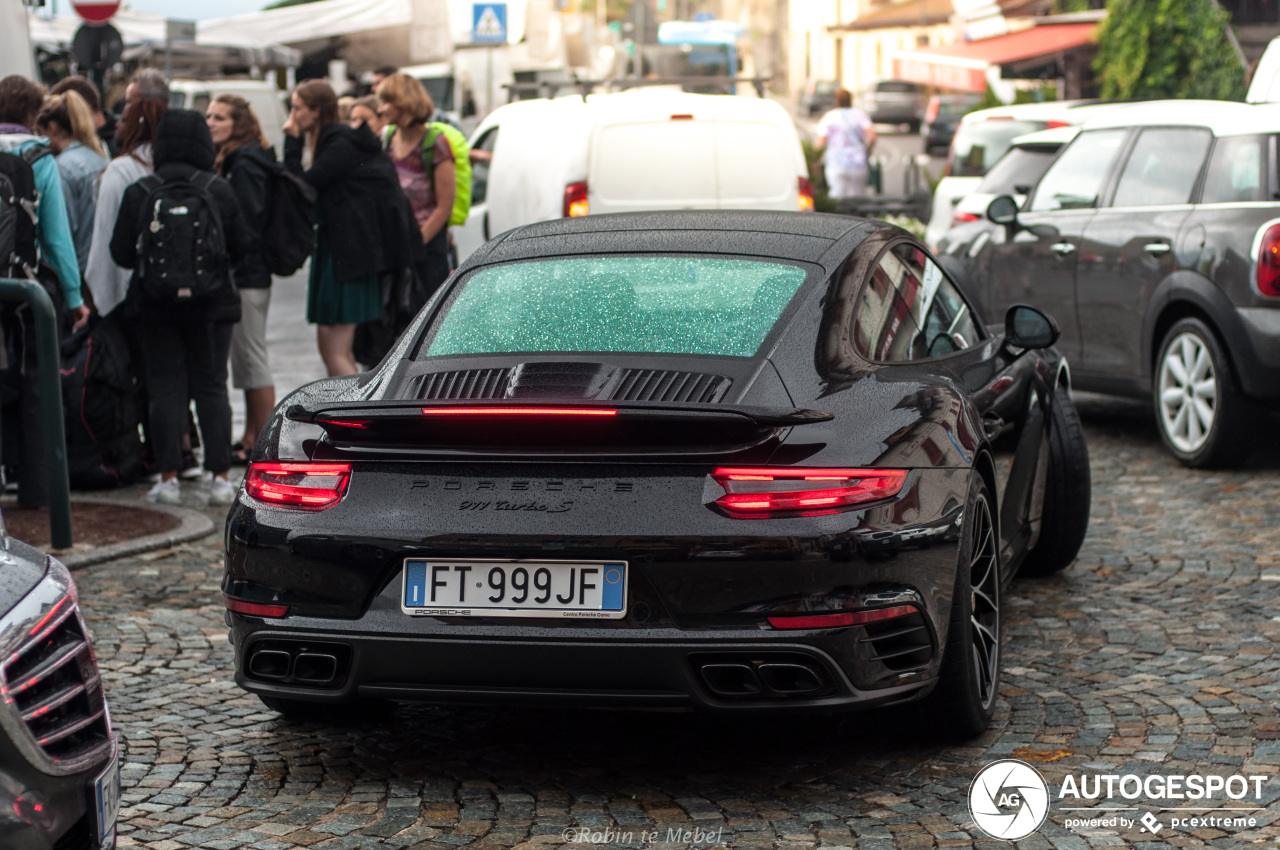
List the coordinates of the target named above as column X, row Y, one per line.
column 1009, row 799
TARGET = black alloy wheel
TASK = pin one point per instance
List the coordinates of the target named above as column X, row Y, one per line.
column 965, row 698
column 1064, row 519
column 1202, row 416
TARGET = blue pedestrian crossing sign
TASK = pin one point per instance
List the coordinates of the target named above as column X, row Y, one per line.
column 489, row 23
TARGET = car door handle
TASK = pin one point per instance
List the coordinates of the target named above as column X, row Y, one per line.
column 1062, row 249
column 1157, row 248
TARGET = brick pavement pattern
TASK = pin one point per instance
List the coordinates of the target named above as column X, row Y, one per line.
column 1154, row 653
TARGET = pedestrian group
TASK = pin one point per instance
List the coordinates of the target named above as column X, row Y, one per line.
column 157, row 234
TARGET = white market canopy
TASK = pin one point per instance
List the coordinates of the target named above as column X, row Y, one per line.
column 140, row 28
column 327, row 19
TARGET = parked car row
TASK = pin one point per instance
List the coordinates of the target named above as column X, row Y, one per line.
column 1153, row 237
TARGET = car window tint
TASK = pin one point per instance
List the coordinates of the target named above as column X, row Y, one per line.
column 909, row 310
column 1162, row 168
column 1235, row 171
column 978, row 145
column 1075, row 178
column 1016, row 172
column 675, row 305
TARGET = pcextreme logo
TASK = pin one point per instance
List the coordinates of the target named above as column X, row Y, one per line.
column 1009, row 799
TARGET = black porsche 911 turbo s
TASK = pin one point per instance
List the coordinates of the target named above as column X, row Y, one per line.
column 737, row 461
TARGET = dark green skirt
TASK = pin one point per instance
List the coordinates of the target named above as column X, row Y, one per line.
column 332, row 303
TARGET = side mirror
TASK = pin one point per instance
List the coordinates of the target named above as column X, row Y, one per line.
column 1027, row 327
column 1003, row 209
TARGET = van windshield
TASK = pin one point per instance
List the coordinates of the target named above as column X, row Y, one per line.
column 718, row 306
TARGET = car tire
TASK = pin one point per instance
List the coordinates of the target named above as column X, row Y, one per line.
column 1064, row 519
column 1200, row 413
column 964, row 700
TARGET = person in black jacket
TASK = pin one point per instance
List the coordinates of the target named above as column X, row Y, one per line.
column 186, row 346
column 365, row 223
column 246, row 159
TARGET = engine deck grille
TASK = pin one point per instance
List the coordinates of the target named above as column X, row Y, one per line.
column 670, row 385
column 55, row 688
column 464, row 384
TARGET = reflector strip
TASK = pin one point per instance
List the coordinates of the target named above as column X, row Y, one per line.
column 846, row 618
column 256, row 609
column 516, row 411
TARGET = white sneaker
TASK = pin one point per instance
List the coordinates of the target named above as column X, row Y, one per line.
column 221, row 492
column 166, row 493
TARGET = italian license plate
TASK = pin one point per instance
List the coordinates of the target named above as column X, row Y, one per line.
column 495, row 588
column 106, row 799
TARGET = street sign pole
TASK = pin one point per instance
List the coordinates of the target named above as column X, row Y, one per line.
column 489, row 26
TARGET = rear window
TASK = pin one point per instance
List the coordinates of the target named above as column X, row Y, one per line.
column 978, row 145
column 669, row 305
column 909, row 88
column 1017, row 172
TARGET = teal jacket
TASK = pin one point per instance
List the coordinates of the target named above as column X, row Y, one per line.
column 53, row 228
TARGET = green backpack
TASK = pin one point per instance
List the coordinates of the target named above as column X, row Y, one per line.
column 461, row 163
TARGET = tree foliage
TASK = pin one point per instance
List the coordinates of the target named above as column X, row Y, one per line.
column 1167, row 49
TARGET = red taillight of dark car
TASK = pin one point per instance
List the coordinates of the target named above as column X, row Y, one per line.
column 1269, row 262
column 763, row 491
column 309, row 486
column 804, row 200
column 575, row 200
column 842, row 619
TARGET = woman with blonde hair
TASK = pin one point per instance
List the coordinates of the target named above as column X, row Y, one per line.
column 424, row 164
column 246, row 159
column 68, row 123
column 365, row 111
column 363, row 221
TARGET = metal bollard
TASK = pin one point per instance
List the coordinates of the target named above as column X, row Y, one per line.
column 48, row 363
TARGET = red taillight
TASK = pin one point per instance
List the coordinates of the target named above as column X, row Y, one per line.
column 684, row 116
column 759, row 491
column 846, row 618
column 1269, row 262
column 311, row 486
column 255, row 609
column 963, row 218
column 517, row 411
column 575, row 200
column 1049, row 125
column 805, row 199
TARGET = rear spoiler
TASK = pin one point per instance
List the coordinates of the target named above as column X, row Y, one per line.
column 558, row 428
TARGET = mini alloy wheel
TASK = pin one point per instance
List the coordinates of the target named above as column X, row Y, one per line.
column 1202, row 416
column 1188, row 392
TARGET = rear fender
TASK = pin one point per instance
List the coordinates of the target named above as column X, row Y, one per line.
column 1186, row 293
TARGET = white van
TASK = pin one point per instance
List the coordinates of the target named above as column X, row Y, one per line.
column 266, row 101
column 636, row 150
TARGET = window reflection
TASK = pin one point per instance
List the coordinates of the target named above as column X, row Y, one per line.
column 910, row 311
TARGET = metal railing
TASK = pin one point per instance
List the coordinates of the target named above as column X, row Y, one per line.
column 47, row 363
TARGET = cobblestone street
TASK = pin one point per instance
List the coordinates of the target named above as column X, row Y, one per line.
column 1154, row 653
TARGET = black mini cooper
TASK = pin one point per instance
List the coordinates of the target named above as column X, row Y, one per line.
column 729, row 461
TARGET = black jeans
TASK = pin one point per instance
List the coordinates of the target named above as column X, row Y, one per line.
column 187, row 361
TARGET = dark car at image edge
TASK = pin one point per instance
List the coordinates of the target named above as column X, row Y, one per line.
column 734, row 461
column 59, row 768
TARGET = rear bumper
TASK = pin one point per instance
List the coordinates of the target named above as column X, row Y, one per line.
column 739, row 671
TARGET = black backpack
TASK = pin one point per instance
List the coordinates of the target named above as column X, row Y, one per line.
column 100, row 401
column 182, row 250
column 19, row 206
column 288, row 237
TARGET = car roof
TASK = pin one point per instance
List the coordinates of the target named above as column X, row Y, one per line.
column 648, row 104
column 802, row 237
column 1223, row 118
column 1069, row 111
column 1051, row 139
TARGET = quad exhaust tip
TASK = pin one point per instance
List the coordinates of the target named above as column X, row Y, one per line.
column 785, row 677
column 284, row 662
